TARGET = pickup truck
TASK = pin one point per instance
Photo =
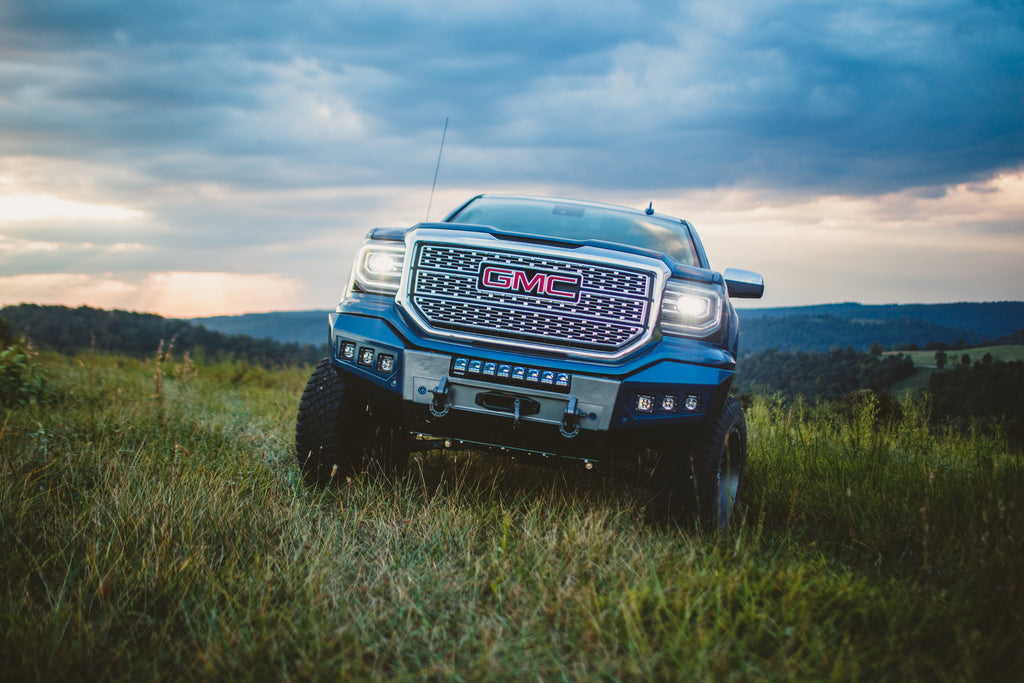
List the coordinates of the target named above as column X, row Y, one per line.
column 556, row 329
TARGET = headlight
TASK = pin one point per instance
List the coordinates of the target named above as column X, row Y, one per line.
column 378, row 267
column 690, row 310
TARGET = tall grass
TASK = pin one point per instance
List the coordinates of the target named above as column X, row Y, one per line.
column 154, row 526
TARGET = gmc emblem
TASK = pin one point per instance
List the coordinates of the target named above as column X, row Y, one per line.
column 529, row 281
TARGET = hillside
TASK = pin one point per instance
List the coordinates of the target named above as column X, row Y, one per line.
column 824, row 332
column 302, row 327
column 820, row 328
column 988, row 319
column 140, row 334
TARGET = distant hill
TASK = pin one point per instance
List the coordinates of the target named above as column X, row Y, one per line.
column 825, row 332
column 989, row 319
column 797, row 328
column 820, row 328
column 141, row 334
column 300, row 327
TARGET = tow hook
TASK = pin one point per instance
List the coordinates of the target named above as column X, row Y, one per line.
column 439, row 404
column 570, row 426
column 519, row 406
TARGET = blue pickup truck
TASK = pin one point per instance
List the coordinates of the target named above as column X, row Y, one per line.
column 556, row 329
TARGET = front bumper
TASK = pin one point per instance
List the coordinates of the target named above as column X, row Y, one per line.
column 506, row 398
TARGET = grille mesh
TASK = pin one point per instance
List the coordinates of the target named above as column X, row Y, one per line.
column 611, row 313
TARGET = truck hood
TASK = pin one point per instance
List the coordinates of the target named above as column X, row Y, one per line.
column 677, row 269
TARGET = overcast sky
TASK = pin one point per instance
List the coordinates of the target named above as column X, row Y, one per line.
column 197, row 158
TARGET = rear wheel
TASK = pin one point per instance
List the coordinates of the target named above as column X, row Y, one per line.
column 701, row 476
column 338, row 433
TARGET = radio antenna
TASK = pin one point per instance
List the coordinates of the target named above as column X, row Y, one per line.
column 437, row 168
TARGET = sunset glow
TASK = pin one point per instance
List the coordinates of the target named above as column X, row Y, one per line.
column 871, row 153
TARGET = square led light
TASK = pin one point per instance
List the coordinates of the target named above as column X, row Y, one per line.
column 385, row 363
column 533, row 375
column 504, row 371
column 348, row 350
column 366, row 355
column 644, row 403
column 519, row 373
column 475, row 366
column 669, row 403
column 692, row 403
column 490, row 368
column 562, row 380
column 460, row 365
column 547, row 377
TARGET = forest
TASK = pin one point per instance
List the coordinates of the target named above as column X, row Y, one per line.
column 823, row 332
column 828, row 376
column 987, row 394
column 70, row 330
column 987, row 390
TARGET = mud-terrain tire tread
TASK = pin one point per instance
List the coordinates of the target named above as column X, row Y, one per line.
column 339, row 434
column 318, row 427
column 688, row 477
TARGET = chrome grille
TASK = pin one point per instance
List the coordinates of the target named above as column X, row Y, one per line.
column 611, row 313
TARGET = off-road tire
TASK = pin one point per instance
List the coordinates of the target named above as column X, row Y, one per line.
column 339, row 434
column 701, row 476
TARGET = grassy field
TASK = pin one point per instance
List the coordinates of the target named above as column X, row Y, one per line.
column 153, row 526
column 927, row 358
column 924, row 362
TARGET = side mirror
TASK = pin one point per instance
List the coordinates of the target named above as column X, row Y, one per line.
column 743, row 284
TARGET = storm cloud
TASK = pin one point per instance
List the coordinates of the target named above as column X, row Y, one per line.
column 243, row 133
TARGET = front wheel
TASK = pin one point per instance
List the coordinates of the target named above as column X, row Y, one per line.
column 339, row 434
column 702, row 474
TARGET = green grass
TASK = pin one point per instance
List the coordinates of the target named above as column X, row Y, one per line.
column 914, row 384
column 924, row 362
column 1006, row 353
column 153, row 526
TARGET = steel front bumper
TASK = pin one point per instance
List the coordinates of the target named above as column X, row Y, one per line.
column 450, row 388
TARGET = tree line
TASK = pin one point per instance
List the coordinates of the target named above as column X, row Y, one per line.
column 989, row 390
column 822, row 333
column 961, row 393
column 828, row 376
column 71, row 330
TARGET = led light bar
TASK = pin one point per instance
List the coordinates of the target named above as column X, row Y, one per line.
column 516, row 375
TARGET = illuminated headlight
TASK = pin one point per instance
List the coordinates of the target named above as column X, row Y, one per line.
column 380, row 263
column 379, row 267
column 690, row 310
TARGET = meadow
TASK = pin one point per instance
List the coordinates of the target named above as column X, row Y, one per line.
column 153, row 526
column 926, row 358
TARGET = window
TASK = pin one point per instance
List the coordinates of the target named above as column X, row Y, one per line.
column 578, row 221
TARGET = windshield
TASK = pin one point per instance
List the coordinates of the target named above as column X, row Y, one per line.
column 550, row 218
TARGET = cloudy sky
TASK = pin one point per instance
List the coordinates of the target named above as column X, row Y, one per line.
column 192, row 158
